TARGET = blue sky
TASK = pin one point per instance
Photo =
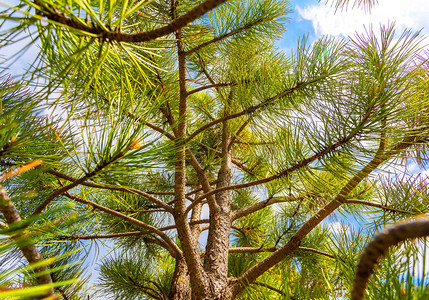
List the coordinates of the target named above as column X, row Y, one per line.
column 315, row 19
column 319, row 19
column 297, row 26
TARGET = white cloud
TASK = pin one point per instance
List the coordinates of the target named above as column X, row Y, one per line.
column 340, row 228
column 411, row 14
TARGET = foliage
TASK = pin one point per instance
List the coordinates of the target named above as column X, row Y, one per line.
column 153, row 122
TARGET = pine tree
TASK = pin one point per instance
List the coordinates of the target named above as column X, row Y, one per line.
column 208, row 158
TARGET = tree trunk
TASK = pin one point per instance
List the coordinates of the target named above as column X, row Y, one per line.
column 180, row 285
column 216, row 257
column 181, row 289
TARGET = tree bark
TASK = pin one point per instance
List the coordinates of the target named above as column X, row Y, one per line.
column 180, row 285
column 184, row 232
column 28, row 249
column 216, row 257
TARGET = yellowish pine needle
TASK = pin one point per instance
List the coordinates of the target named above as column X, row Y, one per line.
column 8, row 174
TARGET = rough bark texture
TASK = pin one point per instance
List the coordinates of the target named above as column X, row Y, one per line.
column 387, row 238
column 198, row 279
column 216, row 256
column 28, row 249
column 180, row 285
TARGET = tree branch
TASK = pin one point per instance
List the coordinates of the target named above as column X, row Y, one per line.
column 158, row 287
column 195, row 216
column 238, row 228
column 146, row 195
column 226, row 35
column 152, row 126
column 140, row 211
column 103, row 236
column 157, row 241
column 204, row 181
column 261, row 205
column 390, row 236
column 28, row 249
column 139, row 119
column 210, row 183
column 184, row 231
column 242, row 127
column 203, row 221
column 261, row 267
column 147, row 290
column 383, row 207
column 176, row 252
column 300, row 164
column 233, row 160
column 63, row 294
column 252, row 109
column 75, row 183
column 159, row 129
column 272, row 249
column 206, row 73
column 315, row 251
column 251, row 249
column 270, row 201
column 216, row 258
column 269, row 287
column 192, row 159
column 287, row 171
column 118, row 36
column 303, row 162
column 131, row 233
column 216, row 85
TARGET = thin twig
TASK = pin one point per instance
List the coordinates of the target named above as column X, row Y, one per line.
column 155, row 200
column 269, row 287
column 175, row 251
column 253, row 108
column 226, row 35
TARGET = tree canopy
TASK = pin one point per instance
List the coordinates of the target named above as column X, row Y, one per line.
column 211, row 162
